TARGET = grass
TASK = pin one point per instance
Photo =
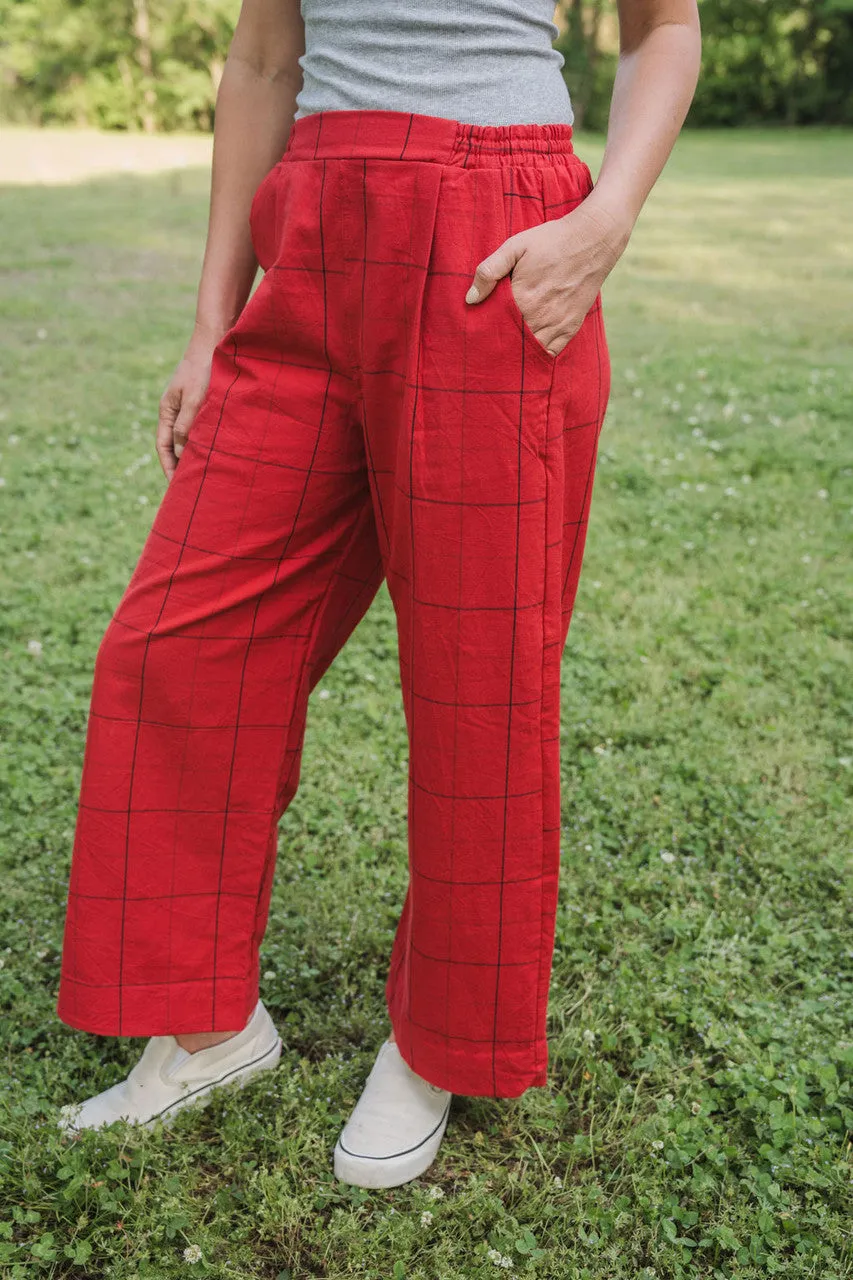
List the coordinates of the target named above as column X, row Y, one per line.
column 697, row 1122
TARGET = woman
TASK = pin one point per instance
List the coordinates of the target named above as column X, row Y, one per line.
column 414, row 392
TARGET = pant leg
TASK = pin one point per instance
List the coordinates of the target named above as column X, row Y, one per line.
column 261, row 559
column 482, row 489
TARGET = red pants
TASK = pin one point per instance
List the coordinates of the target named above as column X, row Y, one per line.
column 362, row 422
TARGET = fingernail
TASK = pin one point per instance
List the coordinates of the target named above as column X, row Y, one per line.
column 473, row 294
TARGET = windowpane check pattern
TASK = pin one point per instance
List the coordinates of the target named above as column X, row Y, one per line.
column 362, row 422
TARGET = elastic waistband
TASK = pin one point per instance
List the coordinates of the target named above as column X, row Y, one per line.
column 404, row 135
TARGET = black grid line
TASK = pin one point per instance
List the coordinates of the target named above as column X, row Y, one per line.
column 375, row 427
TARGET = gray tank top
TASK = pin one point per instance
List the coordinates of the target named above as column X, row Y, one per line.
column 463, row 59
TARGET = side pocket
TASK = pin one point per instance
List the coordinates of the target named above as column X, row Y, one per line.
column 529, row 197
column 262, row 218
column 537, row 347
column 564, row 187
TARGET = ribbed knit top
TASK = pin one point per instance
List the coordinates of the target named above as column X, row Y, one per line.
column 481, row 63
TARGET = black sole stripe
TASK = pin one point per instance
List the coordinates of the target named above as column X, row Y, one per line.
column 205, row 1087
column 409, row 1150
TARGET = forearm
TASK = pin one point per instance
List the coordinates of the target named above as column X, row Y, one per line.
column 254, row 114
column 654, row 86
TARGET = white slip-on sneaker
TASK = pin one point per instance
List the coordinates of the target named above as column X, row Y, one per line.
column 395, row 1128
column 167, row 1077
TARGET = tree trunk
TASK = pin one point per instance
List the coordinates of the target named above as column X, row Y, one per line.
column 582, row 21
column 144, row 56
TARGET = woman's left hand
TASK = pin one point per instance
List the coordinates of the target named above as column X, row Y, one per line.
column 558, row 268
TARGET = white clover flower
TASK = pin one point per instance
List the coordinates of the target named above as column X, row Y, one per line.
column 34, row 646
column 558, row 1181
column 589, row 1036
column 269, row 974
column 192, row 1253
column 666, row 856
column 696, row 1107
column 436, row 1193
column 657, row 1145
column 823, row 493
column 507, row 1264
column 324, row 693
column 426, row 1218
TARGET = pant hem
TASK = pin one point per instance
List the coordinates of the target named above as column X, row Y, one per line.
column 230, row 1016
column 467, row 1069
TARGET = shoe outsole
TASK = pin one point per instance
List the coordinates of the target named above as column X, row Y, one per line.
column 198, row 1098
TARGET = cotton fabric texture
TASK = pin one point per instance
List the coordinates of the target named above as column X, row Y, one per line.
column 362, row 422
column 492, row 63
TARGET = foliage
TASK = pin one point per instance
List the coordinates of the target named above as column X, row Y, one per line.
column 155, row 65
column 114, row 64
column 696, row 1122
column 589, row 61
column 789, row 61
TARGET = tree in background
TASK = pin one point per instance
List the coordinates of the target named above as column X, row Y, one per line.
column 117, row 64
column 787, row 60
column 588, row 41
column 156, row 64
column 763, row 60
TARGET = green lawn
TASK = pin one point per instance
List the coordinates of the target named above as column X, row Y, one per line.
column 698, row 1114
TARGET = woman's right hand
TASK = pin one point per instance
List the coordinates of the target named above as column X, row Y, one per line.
column 182, row 398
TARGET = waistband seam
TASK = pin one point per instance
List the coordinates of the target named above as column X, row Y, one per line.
column 412, row 136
